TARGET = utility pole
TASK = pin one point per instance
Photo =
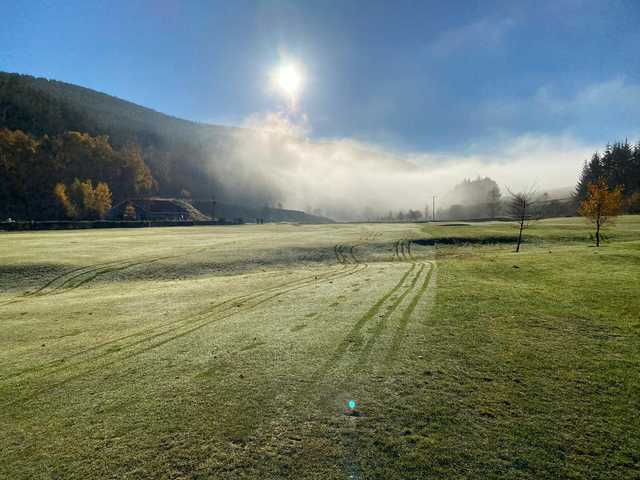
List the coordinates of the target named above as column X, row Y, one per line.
column 434, row 208
column 213, row 208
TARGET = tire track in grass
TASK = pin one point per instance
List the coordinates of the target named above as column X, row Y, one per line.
column 64, row 278
column 346, row 258
column 190, row 328
column 88, row 276
column 59, row 361
column 225, row 305
column 352, row 253
column 380, row 326
column 396, row 254
column 151, row 337
column 409, row 242
column 355, row 330
column 406, row 249
column 99, row 269
column 406, row 317
column 350, row 463
column 340, row 256
column 89, row 273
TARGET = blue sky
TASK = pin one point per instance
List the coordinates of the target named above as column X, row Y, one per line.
column 409, row 76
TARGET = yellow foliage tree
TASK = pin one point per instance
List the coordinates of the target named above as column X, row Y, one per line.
column 101, row 199
column 602, row 205
column 60, row 193
column 83, row 201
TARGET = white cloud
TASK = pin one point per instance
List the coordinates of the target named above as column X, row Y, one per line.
column 603, row 111
column 610, row 94
column 484, row 33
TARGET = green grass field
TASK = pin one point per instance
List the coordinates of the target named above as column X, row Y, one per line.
column 231, row 352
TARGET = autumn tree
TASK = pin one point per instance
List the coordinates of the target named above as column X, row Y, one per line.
column 520, row 208
column 19, row 170
column 31, row 169
column 101, row 199
column 601, row 205
column 82, row 201
column 62, row 197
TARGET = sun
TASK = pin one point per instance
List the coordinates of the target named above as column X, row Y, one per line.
column 288, row 79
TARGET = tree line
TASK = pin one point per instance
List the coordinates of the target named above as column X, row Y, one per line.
column 179, row 153
column 69, row 175
column 619, row 168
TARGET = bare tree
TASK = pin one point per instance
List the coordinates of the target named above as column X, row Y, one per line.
column 520, row 208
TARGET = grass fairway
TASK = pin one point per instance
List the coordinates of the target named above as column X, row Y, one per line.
column 231, row 352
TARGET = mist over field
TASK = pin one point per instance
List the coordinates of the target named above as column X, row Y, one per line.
column 345, row 178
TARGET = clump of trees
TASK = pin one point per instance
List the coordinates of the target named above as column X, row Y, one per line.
column 617, row 166
column 402, row 216
column 38, row 176
column 478, row 198
column 81, row 201
column 601, row 205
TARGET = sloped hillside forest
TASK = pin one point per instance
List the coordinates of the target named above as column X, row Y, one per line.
column 70, row 152
column 52, row 133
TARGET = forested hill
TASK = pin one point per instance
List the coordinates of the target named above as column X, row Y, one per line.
column 156, row 153
column 41, row 106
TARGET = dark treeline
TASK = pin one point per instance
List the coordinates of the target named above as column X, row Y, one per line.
column 618, row 166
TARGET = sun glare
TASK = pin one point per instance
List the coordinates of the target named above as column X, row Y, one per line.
column 288, row 80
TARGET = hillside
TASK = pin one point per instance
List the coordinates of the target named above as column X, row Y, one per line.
column 39, row 105
column 175, row 150
column 174, row 156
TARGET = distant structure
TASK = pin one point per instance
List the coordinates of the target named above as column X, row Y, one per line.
column 154, row 208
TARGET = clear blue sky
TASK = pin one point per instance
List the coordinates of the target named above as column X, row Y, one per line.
column 410, row 75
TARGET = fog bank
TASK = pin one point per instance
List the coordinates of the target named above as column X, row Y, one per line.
column 347, row 179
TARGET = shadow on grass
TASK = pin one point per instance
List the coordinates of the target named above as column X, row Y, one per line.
column 488, row 240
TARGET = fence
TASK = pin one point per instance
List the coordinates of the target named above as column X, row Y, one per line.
column 16, row 226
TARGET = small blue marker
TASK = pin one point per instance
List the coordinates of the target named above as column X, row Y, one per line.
column 351, row 404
